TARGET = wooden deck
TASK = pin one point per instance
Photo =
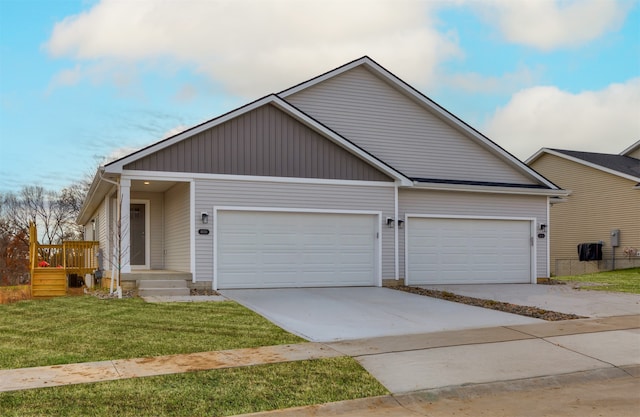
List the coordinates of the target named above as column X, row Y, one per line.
column 52, row 264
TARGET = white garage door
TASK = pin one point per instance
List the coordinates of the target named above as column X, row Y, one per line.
column 468, row 251
column 256, row 249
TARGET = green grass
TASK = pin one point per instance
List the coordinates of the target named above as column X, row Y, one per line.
column 85, row 329
column 219, row 393
column 622, row 280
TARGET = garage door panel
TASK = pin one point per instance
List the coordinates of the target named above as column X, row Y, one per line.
column 468, row 251
column 293, row 249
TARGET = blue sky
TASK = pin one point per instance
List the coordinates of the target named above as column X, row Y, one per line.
column 81, row 81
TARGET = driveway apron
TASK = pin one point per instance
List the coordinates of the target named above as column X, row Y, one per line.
column 330, row 314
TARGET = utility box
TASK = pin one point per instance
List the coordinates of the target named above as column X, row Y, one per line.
column 615, row 238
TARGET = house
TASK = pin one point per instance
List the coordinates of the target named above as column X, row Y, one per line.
column 349, row 179
column 604, row 207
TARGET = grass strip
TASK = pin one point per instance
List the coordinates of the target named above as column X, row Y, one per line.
column 621, row 280
column 209, row 393
column 86, row 329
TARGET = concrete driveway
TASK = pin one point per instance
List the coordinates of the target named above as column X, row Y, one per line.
column 330, row 314
column 560, row 298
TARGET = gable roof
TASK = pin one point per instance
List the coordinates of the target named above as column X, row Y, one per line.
column 428, row 104
column 119, row 165
column 620, row 165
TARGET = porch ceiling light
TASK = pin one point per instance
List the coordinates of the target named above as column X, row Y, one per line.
column 146, row 183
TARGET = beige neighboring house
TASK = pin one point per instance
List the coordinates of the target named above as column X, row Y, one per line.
column 605, row 197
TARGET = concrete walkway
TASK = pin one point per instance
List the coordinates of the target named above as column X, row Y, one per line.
column 609, row 346
column 83, row 373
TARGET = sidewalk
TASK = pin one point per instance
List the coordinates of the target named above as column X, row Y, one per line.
column 443, row 362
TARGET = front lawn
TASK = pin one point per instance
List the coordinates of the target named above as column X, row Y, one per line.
column 221, row 392
column 86, row 329
column 622, row 280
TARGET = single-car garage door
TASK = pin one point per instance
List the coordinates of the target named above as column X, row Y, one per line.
column 271, row 249
column 468, row 251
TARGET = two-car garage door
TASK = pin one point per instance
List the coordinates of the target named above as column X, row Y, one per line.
column 271, row 249
column 468, row 251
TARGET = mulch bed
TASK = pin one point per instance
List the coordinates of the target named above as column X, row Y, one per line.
column 528, row 311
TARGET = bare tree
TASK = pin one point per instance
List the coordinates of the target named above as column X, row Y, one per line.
column 54, row 214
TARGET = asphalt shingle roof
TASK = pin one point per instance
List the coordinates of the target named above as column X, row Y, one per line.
column 623, row 164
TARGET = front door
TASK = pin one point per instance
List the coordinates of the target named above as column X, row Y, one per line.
column 137, row 220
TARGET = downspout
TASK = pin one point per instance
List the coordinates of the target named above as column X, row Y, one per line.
column 395, row 232
column 119, row 244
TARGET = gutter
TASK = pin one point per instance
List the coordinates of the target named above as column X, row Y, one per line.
column 491, row 189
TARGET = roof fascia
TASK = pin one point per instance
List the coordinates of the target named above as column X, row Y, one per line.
column 630, row 149
column 320, row 78
column 117, row 167
column 587, row 163
column 340, row 141
column 407, row 89
column 491, row 189
column 98, row 189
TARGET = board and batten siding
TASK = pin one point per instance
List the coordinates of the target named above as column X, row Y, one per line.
column 263, row 142
column 156, row 226
column 395, row 128
column 599, row 202
column 212, row 193
column 450, row 203
column 177, row 230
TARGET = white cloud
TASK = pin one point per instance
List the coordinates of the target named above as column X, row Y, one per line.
column 592, row 121
column 254, row 47
column 473, row 82
column 551, row 24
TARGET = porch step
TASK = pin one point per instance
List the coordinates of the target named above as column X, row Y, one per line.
column 163, row 287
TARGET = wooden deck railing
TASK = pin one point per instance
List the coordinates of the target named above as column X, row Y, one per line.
column 49, row 264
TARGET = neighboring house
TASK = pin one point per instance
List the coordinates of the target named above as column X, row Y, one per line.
column 348, row 179
column 605, row 197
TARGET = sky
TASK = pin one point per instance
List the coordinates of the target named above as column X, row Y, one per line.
column 86, row 81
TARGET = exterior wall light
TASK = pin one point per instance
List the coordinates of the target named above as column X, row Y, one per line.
column 205, row 217
column 390, row 222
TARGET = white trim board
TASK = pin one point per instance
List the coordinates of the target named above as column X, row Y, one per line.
column 188, row 176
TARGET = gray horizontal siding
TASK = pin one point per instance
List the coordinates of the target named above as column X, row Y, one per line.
column 264, row 142
column 393, row 127
column 177, row 237
column 211, row 193
column 476, row 204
